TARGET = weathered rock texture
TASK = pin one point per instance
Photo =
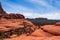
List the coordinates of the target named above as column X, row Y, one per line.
column 57, row 24
column 3, row 14
column 52, row 29
column 12, row 16
column 15, row 25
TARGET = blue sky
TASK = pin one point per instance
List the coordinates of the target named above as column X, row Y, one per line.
column 33, row 8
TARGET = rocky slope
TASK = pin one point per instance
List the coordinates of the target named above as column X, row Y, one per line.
column 16, row 27
column 21, row 29
column 12, row 16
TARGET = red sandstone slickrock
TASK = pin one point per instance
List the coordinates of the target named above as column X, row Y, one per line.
column 16, row 27
column 52, row 29
column 47, row 32
column 57, row 24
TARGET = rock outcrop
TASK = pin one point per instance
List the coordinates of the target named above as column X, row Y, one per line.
column 5, row 15
column 52, row 29
column 12, row 16
column 41, row 33
column 15, row 25
column 57, row 24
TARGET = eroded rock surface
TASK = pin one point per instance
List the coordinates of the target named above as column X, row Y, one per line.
column 51, row 29
column 16, row 27
column 57, row 24
column 12, row 16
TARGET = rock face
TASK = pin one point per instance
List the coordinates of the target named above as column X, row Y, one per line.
column 3, row 14
column 22, row 37
column 41, row 33
column 16, row 25
column 13, row 16
column 57, row 24
column 52, row 29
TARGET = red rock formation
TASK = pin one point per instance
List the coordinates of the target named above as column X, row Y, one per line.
column 57, row 24
column 12, row 16
column 41, row 33
column 23, row 37
column 16, row 24
column 52, row 29
column 20, row 16
column 3, row 14
column 0, row 15
column 21, row 26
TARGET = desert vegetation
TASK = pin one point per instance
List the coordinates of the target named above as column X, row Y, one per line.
column 17, row 31
column 42, row 21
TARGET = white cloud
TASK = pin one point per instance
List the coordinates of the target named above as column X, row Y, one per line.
column 47, row 15
column 41, row 2
column 13, row 7
column 27, row 12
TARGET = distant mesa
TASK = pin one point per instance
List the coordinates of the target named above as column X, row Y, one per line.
column 37, row 19
column 5, row 15
column 41, row 19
